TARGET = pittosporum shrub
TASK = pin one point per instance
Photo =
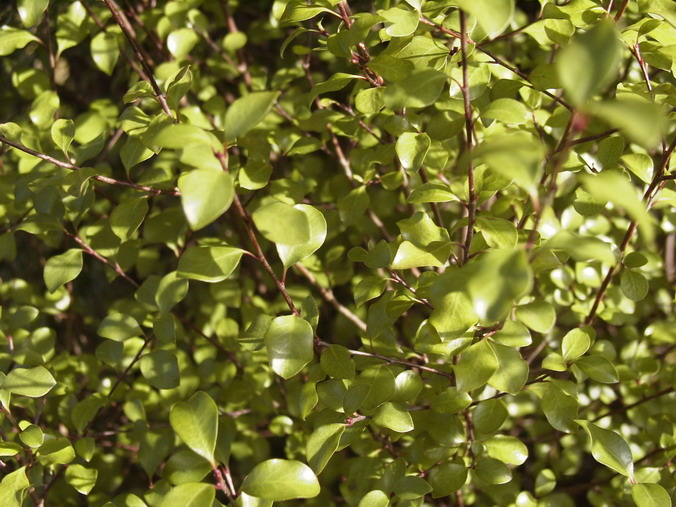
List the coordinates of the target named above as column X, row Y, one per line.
column 393, row 252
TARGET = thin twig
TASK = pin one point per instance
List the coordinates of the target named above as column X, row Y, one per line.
column 472, row 196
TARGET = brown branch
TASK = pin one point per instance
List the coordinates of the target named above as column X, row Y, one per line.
column 647, row 198
column 127, row 29
column 626, row 408
column 97, row 177
column 330, row 298
column 472, row 196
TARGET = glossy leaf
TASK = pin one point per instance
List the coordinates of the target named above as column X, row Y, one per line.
column 105, row 51
column 280, row 480
column 609, row 448
column 321, row 445
column 247, row 112
column 205, row 195
column 62, row 269
column 288, row 342
column 394, row 417
column 195, row 421
column 31, row 382
column 291, row 254
column 476, row 366
column 208, row 263
column 650, row 495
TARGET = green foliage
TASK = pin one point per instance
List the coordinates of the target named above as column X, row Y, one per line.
column 405, row 252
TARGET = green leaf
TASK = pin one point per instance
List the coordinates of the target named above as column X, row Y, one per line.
column 374, row 386
column 119, row 327
column 407, row 385
column 374, row 498
column 640, row 120
column 291, row 254
column 650, row 495
column 589, row 62
column 539, row 316
column 14, row 487
column 105, row 51
column 496, row 279
column 370, row 100
column 205, row 195
column 453, row 312
column 489, row 415
column 128, row 216
column 411, row 487
column 31, row 11
column 634, row 285
column 420, row 89
column 609, row 448
column 195, row 421
column 400, row 22
column 559, row 407
column 507, row 449
column 497, row 232
column 493, row 17
column 512, row 372
column 412, row 148
column 279, row 480
column 612, row 186
column 598, row 368
column 31, row 382
column 12, row 39
column 492, row 471
column 62, row 268
column 63, row 132
column 476, row 366
column 394, row 417
column 170, row 291
column 288, row 342
column 81, row 478
column 160, row 369
column 189, row 494
column 507, row 111
column 209, row 263
column 640, row 164
column 56, row 451
column 247, row 112
column 297, row 11
column 32, row 436
column 181, row 42
column 410, row 255
column 575, row 343
column 337, row 362
column 447, row 478
column 431, row 192
column 321, row 445
column 282, row 223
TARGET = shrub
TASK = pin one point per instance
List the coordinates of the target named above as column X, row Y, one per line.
column 394, row 252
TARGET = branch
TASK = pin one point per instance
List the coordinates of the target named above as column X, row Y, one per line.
column 472, row 197
column 124, row 24
column 97, row 177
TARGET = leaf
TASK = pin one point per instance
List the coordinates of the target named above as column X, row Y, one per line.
column 31, row 382
column 476, row 366
column 280, row 480
column 411, row 148
column 181, row 42
column 208, row 263
column 410, row 255
column 63, row 132
column 374, row 498
column 512, row 372
column 420, row 89
column 612, row 186
column 14, row 487
column 538, row 315
column 634, row 285
column 247, row 112
column 497, row 232
column 282, row 223
column 81, row 478
column 407, row 385
column 493, row 17
column 321, row 445
column 641, row 121
column 189, row 494
column 128, row 216
column 394, row 417
column 62, row 268
column 400, row 22
column 650, row 495
column 337, row 362
column 105, row 51
column 492, row 471
column 507, row 449
column 453, row 312
column 447, row 478
column 431, row 192
column 205, row 195
column 297, row 11
column 507, row 111
column 589, row 62
column 291, row 254
column 195, row 421
column 575, row 343
column 598, row 368
column 559, row 407
column 12, row 39
column 170, row 291
column 489, row 415
column 31, row 11
column 160, row 369
column 119, row 327
column 609, row 448
column 288, row 342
